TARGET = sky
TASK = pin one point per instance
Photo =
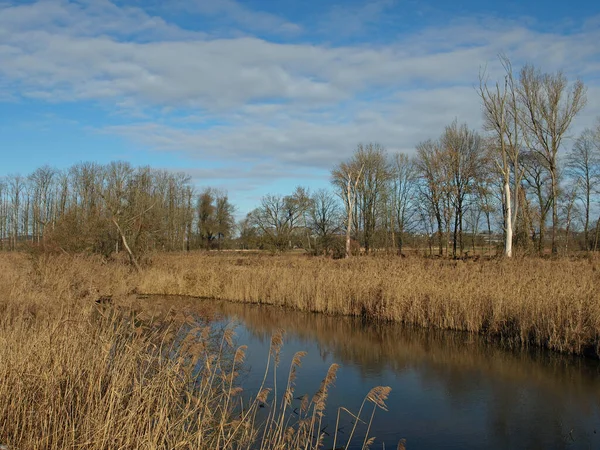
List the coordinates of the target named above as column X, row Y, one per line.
column 259, row 96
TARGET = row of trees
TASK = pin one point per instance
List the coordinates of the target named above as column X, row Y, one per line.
column 464, row 188
column 509, row 180
column 105, row 208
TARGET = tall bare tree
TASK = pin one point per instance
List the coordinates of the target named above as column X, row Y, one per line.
column 325, row 219
column 583, row 167
column 346, row 178
column 224, row 218
column 539, row 186
column 465, row 157
column 502, row 118
column 404, row 183
column 372, row 187
column 16, row 187
column 549, row 105
column 207, row 227
column 41, row 181
column 568, row 207
column 433, row 184
column 4, row 214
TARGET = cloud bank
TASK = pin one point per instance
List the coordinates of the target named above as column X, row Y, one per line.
column 244, row 100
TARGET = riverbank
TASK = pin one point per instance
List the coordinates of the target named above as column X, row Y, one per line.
column 548, row 303
column 75, row 373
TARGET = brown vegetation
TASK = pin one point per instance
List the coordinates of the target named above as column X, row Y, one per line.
column 77, row 374
column 544, row 302
column 549, row 303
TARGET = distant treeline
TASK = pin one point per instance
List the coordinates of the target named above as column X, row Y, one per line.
column 507, row 185
column 103, row 208
column 509, row 181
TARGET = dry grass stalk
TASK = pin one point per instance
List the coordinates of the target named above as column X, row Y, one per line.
column 549, row 303
column 76, row 374
column 530, row 301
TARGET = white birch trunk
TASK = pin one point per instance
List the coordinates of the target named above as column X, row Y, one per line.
column 349, row 225
column 509, row 223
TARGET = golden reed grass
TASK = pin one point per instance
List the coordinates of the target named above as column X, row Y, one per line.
column 74, row 374
column 543, row 302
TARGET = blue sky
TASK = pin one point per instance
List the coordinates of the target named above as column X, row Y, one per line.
column 258, row 96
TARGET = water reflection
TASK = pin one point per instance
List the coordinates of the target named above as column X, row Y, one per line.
column 449, row 390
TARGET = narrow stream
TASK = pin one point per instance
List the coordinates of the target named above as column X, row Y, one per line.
column 449, row 390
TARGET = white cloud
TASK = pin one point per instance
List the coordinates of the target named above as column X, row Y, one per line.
column 296, row 139
column 86, row 18
column 238, row 13
column 74, row 52
column 294, row 106
column 344, row 20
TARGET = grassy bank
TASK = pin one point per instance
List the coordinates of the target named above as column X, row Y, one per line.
column 74, row 374
column 543, row 302
column 549, row 303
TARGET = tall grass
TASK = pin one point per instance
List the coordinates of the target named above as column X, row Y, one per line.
column 542, row 302
column 74, row 374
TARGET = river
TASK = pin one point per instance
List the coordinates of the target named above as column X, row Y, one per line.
column 450, row 390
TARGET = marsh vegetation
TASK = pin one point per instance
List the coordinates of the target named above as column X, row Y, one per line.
column 76, row 373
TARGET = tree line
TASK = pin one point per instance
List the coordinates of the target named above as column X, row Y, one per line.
column 108, row 208
column 505, row 185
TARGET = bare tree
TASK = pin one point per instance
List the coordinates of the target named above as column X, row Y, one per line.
column 569, row 208
column 501, row 115
column 466, row 160
column 583, row 167
column 41, row 182
column 99, row 208
column 434, row 186
column 427, row 219
column 16, row 186
column 404, row 183
column 325, row 218
column 278, row 217
column 548, row 105
column 372, row 187
column 539, row 185
column 4, row 213
column 224, row 217
column 346, row 178
column 207, row 227
column 248, row 233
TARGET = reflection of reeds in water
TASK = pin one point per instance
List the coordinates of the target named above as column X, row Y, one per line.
column 75, row 374
column 461, row 364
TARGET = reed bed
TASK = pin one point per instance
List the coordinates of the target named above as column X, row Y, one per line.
column 75, row 374
column 525, row 301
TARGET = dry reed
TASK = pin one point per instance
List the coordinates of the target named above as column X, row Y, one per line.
column 75, row 374
column 543, row 302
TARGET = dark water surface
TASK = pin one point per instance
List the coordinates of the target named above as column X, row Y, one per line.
column 449, row 390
